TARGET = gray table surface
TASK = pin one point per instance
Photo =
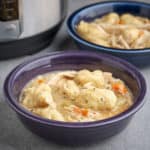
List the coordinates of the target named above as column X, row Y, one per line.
column 14, row 136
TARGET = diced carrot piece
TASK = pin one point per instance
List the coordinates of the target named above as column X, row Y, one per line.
column 119, row 87
column 84, row 112
column 40, row 81
column 121, row 22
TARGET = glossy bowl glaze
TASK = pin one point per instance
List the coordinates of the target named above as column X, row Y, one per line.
column 139, row 57
column 74, row 133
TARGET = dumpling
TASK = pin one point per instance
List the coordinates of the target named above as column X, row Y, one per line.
column 38, row 96
column 130, row 19
column 67, row 88
column 85, row 76
column 143, row 40
column 48, row 113
column 97, row 99
column 111, row 18
column 91, row 31
column 131, row 35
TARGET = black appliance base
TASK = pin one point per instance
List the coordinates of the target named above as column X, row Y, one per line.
column 28, row 45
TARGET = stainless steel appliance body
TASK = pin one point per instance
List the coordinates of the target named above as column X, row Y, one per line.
column 28, row 25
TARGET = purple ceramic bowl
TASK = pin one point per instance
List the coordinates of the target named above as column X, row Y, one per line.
column 74, row 133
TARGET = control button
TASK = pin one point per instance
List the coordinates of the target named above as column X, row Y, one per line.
column 11, row 27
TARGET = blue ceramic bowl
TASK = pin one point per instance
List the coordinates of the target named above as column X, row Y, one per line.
column 74, row 133
column 139, row 57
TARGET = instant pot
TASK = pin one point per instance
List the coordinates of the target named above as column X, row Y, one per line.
column 27, row 26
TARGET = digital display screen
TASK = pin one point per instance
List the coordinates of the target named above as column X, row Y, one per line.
column 9, row 10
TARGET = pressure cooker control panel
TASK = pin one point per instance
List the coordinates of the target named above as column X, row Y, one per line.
column 9, row 20
column 9, row 10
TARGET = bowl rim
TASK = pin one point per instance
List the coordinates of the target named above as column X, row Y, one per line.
column 124, row 64
column 76, row 37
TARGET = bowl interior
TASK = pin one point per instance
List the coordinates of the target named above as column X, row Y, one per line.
column 73, row 61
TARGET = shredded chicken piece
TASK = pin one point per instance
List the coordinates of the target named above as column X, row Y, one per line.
column 101, row 29
column 124, row 43
column 114, row 42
